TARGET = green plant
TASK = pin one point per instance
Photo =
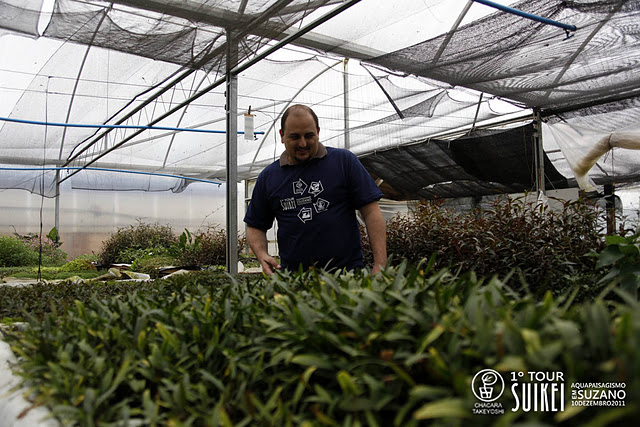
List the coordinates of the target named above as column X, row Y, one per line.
column 205, row 247
column 48, row 246
column 396, row 349
column 550, row 249
column 152, row 264
column 92, row 257
column 186, row 243
column 622, row 256
column 54, row 237
column 133, row 255
column 136, row 241
column 14, row 253
column 78, row 265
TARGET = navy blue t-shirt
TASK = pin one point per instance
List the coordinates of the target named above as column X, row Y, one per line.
column 314, row 204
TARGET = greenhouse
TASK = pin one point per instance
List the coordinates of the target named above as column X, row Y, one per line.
column 502, row 135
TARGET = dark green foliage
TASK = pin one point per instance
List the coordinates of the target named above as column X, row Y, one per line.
column 130, row 243
column 550, row 249
column 205, row 247
column 15, row 253
column 38, row 299
column 151, row 265
column 24, row 250
column 397, row 349
column 77, row 265
column 135, row 244
column 622, row 256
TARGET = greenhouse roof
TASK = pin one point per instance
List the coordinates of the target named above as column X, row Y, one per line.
column 420, row 73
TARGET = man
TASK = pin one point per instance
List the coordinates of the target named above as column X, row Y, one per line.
column 313, row 192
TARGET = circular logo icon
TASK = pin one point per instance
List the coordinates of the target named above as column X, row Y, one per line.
column 487, row 385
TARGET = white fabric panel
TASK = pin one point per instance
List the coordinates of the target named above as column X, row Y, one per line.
column 583, row 147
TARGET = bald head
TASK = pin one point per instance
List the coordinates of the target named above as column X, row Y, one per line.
column 297, row 109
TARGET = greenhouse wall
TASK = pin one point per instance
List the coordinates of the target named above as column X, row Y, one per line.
column 88, row 217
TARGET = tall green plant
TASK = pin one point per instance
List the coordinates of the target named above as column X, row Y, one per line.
column 622, row 257
column 130, row 243
column 550, row 248
column 16, row 253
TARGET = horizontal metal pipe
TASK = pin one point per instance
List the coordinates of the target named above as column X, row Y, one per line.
column 43, row 169
column 80, row 125
column 527, row 15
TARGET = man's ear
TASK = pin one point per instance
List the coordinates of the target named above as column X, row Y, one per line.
column 281, row 134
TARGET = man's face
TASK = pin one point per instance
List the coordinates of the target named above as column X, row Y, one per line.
column 300, row 136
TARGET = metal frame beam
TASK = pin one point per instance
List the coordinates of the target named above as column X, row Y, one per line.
column 231, row 110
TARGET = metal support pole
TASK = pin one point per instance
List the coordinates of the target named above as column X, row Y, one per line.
column 232, row 155
column 57, row 201
column 347, row 138
column 539, row 152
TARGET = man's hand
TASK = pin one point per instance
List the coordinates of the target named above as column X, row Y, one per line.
column 268, row 264
column 257, row 240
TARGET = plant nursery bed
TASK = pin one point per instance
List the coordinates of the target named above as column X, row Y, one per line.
column 15, row 410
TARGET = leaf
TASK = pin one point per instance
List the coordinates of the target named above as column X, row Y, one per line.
column 347, row 384
column 427, row 392
column 609, row 256
column 312, row 360
column 433, row 335
column 168, row 336
column 444, row 408
column 614, row 239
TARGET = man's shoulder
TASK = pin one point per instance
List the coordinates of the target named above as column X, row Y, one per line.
column 271, row 167
column 340, row 152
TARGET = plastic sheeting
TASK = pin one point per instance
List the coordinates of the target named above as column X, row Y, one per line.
column 481, row 164
column 21, row 16
column 132, row 61
column 583, row 147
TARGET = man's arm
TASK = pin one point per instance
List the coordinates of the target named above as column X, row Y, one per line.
column 376, row 229
column 257, row 240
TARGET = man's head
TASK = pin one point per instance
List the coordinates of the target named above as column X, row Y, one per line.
column 299, row 132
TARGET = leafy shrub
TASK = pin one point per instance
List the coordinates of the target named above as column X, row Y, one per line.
column 152, row 264
column 622, row 256
column 92, row 257
column 550, row 249
column 136, row 241
column 132, row 256
column 397, row 349
column 77, row 265
column 205, row 247
column 15, row 253
column 52, row 255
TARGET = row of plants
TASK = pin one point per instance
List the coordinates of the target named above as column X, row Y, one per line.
column 553, row 249
column 147, row 247
column 313, row 348
column 150, row 246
